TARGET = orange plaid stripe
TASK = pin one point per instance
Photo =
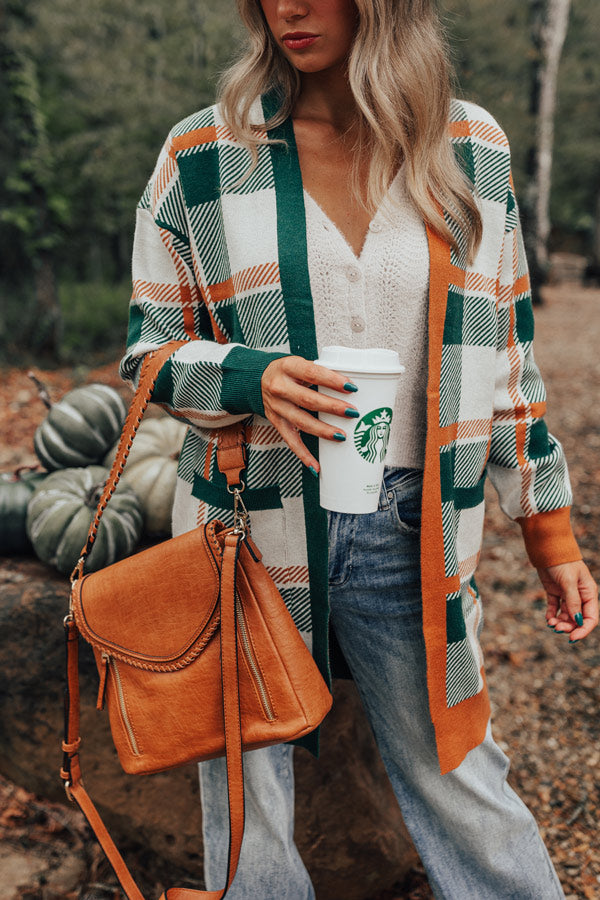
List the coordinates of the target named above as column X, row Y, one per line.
column 247, row 279
column 474, row 428
column 192, row 139
column 288, row 574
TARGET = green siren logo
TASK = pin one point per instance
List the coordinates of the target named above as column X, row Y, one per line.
column 372, row 434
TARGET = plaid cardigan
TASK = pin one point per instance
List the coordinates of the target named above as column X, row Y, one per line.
column 222, row 264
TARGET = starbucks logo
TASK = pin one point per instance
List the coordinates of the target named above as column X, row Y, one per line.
column 372, row 434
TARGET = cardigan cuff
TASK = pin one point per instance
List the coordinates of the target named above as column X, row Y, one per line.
column 549, row 539
column 243, row 368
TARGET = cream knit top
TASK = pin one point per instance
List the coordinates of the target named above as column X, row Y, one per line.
column 378, row 300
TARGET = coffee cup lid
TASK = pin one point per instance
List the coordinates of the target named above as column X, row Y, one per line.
column 369, row 360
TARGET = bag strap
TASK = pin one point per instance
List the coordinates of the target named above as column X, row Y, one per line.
column 231, row 454
column 231, row 447
column 231, row 460
column 71, row 768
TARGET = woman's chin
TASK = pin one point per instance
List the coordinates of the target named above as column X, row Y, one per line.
column 312, row 64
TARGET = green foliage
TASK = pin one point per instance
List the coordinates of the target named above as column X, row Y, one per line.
column 576, row 172
column 107, row 80
column 127, row 71
column 94, row 316
column 95, row 319
column 26, row 215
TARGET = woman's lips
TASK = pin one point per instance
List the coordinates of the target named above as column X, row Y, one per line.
column 299, row 41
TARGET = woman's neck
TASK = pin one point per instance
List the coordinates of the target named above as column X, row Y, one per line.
column 326, row 97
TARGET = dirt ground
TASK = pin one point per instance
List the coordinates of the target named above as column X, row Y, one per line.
column 544, row 692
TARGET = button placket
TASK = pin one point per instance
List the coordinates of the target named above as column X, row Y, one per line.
column 355, row 276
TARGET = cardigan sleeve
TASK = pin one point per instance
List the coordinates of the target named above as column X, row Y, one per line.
column 209, row 382
column 526, row 463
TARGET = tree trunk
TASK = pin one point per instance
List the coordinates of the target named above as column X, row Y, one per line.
column 592, row 270
column 596, row 244
column 549, row 21
column 47, row 328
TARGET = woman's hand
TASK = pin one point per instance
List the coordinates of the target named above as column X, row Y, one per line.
column 572, row 599
column 287, row 397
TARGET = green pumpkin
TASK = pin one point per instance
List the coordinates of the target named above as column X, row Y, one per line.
column 60, row 513
column 15, row 493
column 151, row 470
column 80, row 427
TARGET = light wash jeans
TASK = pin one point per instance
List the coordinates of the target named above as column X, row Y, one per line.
column 476, row 838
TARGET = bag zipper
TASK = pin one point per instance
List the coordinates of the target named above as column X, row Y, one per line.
column 252, row 661
column 109, row 661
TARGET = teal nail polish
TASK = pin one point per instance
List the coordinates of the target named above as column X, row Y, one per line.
column 579, row 619
column 339, row 436
column 314, row 471
column 575, row 641
column 350, row 387
column 352, row 413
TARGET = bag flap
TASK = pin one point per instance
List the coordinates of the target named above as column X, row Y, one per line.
column 158, row 607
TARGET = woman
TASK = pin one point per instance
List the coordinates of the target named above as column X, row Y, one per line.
column 337, row 195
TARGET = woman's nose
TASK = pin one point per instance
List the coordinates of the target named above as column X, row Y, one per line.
column 292, row 9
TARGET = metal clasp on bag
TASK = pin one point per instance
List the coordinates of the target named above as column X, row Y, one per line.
column 240, row 513
column 78, row 570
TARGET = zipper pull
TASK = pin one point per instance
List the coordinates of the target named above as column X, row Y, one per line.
column 102, row 685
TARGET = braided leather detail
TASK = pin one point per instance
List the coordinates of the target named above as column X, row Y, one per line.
column 151, row 366
column 210, row 533
column 181, row 663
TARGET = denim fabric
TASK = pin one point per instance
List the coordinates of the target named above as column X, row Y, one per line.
column 476, row 838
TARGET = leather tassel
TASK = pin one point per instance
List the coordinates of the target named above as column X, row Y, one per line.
column 102, row 685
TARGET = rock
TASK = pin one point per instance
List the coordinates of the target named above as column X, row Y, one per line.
column 348, row 825
column 19, row 869
column 56, row 874
column 67, row 876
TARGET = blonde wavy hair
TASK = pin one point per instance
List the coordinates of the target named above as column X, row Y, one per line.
column 400, row 75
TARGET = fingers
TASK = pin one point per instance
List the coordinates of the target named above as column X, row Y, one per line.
column 290, row 380
column 304, row 421
column 283, row 374
column 303, row 370
column 552, row 609
column 288, row 402
column 588, row 594
column 572, row 604
column 290, row 421
column 318, row 402
column 291, row 436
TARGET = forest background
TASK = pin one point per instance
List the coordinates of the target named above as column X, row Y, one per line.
column 90, row 89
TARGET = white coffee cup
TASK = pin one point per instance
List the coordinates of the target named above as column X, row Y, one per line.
column 352, row 470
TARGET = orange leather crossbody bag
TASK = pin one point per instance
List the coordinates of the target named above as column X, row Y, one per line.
column 196, row 651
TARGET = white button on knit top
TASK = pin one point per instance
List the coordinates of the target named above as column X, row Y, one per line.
column 378, row 300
